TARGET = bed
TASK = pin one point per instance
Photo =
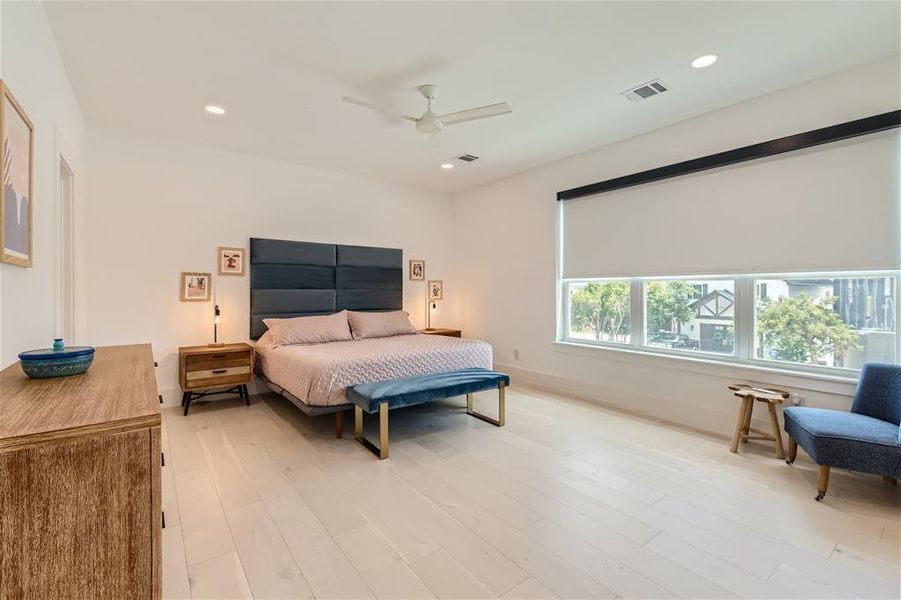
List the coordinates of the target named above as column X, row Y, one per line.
column 291, row 279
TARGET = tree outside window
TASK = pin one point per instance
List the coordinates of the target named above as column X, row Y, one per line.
column 601, row 309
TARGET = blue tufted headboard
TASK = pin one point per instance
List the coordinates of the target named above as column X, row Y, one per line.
column 295, row 279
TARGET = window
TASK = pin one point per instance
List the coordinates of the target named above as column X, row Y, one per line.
column 831, row 322
column 826, row 323
column 599, row 311
column 690, row 315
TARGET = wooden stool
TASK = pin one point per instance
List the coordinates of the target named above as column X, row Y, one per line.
column 743, row 429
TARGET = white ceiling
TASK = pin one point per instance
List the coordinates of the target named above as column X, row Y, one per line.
column 281, row 68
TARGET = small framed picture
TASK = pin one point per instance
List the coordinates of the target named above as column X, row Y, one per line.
column 417, row 270
column 436, row 290
column 16, row 193
column 231, row 261
column 196, row 287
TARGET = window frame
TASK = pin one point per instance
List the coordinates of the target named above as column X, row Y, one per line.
column 745, row 320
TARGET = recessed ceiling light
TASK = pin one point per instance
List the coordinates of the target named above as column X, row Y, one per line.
column 704, row 61
column 214, row 110
column 447, row 166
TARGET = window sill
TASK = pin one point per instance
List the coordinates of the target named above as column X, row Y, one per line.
column 794, row 379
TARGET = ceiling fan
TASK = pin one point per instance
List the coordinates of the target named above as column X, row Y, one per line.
column 429, row 122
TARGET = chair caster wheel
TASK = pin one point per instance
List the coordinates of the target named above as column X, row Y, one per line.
column 820, row 496
column 789, row 461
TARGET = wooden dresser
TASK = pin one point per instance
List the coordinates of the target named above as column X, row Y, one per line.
column 80, row 513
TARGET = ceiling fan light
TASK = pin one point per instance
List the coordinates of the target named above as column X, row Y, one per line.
column 429, row 123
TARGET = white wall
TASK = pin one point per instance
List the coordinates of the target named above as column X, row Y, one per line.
column 33, row 70
column 160, row 207
column 504, row 268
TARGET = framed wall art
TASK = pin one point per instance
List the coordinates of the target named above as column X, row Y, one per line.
column 417, row 270
column 195, row 287
column 16, row 175
column 231, row 261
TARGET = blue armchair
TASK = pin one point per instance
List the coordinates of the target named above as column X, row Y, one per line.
column 867, row 439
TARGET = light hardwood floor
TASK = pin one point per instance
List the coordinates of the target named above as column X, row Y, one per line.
column 569, row 500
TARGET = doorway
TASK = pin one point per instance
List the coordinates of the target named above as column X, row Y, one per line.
column 66, row 251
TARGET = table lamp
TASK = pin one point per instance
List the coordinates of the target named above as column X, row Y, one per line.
column 216, row 314
column 432, row 307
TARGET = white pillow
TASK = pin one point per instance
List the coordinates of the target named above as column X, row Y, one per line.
column 309, row 330
column 379, row 324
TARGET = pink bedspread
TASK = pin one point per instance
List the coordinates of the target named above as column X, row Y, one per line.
column 318, row 374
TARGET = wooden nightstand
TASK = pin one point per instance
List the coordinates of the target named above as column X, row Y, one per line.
column 442, row 331
column 203, row 367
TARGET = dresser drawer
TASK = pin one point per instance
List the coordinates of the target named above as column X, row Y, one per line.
column 205, row 362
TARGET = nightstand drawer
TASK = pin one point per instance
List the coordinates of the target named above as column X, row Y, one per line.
column 204, row 362
column 223, row 372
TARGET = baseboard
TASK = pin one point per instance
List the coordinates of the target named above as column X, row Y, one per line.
column 172, row 395
column 709, row 421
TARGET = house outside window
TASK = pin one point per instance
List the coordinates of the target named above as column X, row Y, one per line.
column 831, row 322
column 690, row 315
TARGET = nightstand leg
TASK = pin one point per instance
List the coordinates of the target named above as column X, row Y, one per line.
column 184, row 398
column 246, row 394
column 187, row 402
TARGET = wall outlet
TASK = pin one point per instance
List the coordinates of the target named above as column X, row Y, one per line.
column 796, row 399
column 516, row 354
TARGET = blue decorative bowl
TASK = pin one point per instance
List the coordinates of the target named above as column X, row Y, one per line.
column 59, row 361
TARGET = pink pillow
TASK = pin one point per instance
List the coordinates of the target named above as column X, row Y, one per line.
column 309, row 330
column 379, row 324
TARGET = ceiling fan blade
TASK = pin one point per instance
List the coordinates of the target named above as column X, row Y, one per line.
column 365, row 104
column 483, row 112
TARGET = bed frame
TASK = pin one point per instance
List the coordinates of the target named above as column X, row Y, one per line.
column 297, row 279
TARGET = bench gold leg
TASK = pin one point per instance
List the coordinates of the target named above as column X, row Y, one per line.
column 383, row 430
column 382, row 449
column 501, row 406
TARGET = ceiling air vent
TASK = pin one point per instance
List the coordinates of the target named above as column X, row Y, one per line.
column 647, row 90
column 467, row 158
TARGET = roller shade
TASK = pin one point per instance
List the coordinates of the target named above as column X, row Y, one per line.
column 832, row 207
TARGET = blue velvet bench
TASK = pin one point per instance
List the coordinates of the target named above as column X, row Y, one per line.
column 382, row 396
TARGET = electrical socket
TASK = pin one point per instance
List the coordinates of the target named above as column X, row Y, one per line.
column 797, row 399
column 516, row 354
